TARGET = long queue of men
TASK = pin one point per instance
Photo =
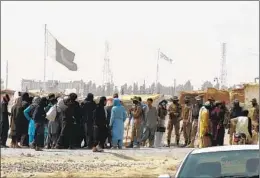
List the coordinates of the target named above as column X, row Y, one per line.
column 102, row 125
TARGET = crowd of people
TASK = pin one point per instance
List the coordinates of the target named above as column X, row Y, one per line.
column 64, row 123
column 208, row 122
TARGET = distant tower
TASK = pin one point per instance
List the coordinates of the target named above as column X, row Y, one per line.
column 223, row 72
column 107, row 74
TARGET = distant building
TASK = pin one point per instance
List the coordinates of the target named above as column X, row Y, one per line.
column 52, row 85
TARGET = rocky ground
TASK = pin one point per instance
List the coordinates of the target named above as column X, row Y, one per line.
column 144, row 162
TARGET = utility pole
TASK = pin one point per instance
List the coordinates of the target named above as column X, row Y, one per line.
column 6, row 77
column 174, row 87
column 223, row 72
column 157, row 73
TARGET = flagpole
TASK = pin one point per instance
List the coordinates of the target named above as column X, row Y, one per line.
column 45, row 54
column 174, row 87
column 157, row 71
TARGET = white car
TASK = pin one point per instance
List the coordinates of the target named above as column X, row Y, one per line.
column 220, row 161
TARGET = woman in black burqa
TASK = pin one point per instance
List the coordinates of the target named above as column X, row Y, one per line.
column 88, row 106
column 4, row 120
column 39, row 117
column 68, row 119
column 100, row 125
column 23, row 122
column 16, row 116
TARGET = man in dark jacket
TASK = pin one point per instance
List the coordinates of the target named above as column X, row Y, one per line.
column 4, row 122
column 24, row 123
column 236, row 110
column 39, row 117
column 87, row 110
column 100, row 125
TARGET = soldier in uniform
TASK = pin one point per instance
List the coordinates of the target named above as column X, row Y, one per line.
column 136, row 112
column 195, row 115
column 187, row 120
column 255, row 119
column 174, row 120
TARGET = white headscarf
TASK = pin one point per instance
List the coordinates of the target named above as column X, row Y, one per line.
column 36, row 100
column 18, row 101
column 16, row 95
column 61, row 105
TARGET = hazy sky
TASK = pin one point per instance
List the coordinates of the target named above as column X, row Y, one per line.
column 190, row 33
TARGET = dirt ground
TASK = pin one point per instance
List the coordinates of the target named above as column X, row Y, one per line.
column 144, row 162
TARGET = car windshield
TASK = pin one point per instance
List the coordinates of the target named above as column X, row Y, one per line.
column 240, row 163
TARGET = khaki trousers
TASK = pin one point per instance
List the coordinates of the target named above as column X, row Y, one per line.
column 187, row 131
column 176, row 124
column 136, row 131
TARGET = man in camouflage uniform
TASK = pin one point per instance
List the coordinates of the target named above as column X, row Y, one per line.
column 136, row 112
column 174, row 120
column 187, row 120
column 195, row 115
column 255, row 119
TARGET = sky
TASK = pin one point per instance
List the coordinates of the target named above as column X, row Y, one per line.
column 190, row 33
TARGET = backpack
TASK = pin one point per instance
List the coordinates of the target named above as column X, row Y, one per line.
column 52, row 113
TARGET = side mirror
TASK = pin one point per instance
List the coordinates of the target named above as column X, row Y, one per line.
column 164, row 176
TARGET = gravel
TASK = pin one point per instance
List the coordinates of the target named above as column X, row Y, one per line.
column 28, row 163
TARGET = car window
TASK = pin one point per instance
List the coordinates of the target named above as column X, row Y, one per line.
column 225, row 163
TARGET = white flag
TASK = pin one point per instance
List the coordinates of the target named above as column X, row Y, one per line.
column 165, row 57
column 60, row 53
